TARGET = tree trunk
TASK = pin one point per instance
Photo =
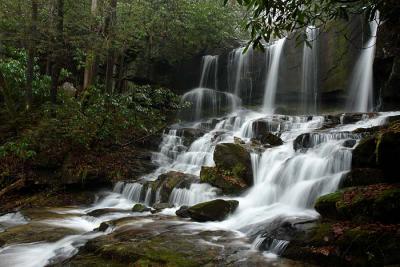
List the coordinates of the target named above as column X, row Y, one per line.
column 110, row 31
column 31, row 54
column 57, row 53
column 90, row 65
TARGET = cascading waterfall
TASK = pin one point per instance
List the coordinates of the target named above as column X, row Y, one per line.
column 309, row 85
column 361, row 86
column 273, row 54
column 239, row 72
column 209, row 73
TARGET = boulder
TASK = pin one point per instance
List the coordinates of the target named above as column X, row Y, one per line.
column 387, row 153
column 215, row 210
column 373, row 203
column 158, row 207
column 268, row 138
column 183, row 212
column 234, row 160
column 229, row 183
column 263, row 126
column 361, row 177
column 364, row 153
column 349, row 118
column 345, row 244
column 68, row 89
column 140, row 208
column 168, row 181
column 350, row 143
column 303, row 142
column 190, row 134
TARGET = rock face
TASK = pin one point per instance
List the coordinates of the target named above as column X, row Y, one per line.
column 216, row 210
column 362, row 176
column 234, row 159
column 380, row 151
column 371, row 203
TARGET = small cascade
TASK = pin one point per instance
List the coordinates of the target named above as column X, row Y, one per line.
column 309, row 86
column 209, row 73
column 197, row 193
column 274, row 53
column 239, row 72
column 208, row 103
column 361, row 86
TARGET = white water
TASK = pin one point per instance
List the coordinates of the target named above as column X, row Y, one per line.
column 239, row 72
column 271, row 84
column 309, row 86
column 361, row 86
column 209, row 73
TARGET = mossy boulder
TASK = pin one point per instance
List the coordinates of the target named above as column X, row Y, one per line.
column 260, row 127
column 234, row 159
column 380, row 202
column 346, row 244
column 215, row 210
column 230, row 182
column 362, row 176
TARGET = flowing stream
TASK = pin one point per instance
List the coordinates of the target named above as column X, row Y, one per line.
column 286, row 181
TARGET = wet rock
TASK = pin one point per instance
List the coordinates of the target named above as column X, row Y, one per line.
column 349, row 118
column 346, row 244
column 234, row 159
column 168, row 181
column 362, row 176
column 158, row 207
column 228, row 182
column 190, row 134
column 104, row 226
column 364, row 153
column 238, row 141
column 388, row 152
column 262, row 126
column 183, row 212
column 101, row 212
column 368, row 131
column 392, row 119
column 140, row 208
column 350, row 143
column 269, row 139
column 303, row 142
column 215, row 210
column 380, row 202
column 34, row 232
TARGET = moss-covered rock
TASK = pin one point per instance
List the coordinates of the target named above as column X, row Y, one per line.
column 346, row 244
column 215, row 210
column 167, row 182
column 380, row 202
column 229, row 182
column 362, row 176
column 234, row 159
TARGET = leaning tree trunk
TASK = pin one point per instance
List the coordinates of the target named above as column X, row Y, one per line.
column 31, row 54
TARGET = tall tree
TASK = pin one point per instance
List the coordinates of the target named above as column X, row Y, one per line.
column 90, row 64
column 31, row 52
column 58, row 51
column 110, row 33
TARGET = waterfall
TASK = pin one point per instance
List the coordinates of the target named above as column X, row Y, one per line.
column 239, row 70
column 361, row 86
column 209, row 72
column 309, row 85
column 273, row 59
